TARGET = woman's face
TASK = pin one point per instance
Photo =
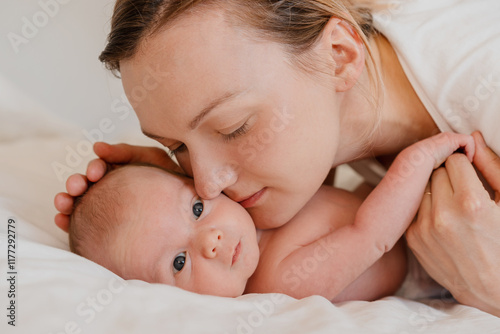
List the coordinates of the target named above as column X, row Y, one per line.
column 240, row 117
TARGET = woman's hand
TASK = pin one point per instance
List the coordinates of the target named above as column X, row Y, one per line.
column 456, row 236
column 110, row 156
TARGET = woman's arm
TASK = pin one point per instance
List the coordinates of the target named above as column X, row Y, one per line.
column 456, row 236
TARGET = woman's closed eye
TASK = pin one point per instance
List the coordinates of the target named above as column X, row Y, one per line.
column 243, row 129
column 236, row 133
column 179, row 149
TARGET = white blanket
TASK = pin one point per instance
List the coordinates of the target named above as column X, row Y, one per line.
column 59, row 292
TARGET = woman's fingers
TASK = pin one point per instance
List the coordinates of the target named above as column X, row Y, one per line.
column 110, row 155
column 115, row 154
column 426, row 205
column 441, row 187
column 488, row 163
column 96, row 170
column 417, row 230
column 468, row 189
column 76, row 185
column 62, row 221
column 64, row 203
column 124, row 153
column 455, row 236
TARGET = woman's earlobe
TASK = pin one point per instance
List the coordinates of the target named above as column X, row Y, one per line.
column 347, row 52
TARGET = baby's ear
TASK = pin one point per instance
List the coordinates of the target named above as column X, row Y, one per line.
column 346, row 51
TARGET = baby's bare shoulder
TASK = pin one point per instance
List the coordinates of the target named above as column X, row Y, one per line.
column 329, row 209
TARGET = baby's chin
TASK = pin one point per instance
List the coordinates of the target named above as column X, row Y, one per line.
column 233, row 294
column 223, row 291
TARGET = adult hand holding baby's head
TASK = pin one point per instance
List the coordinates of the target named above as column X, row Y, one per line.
column 109, row 157
column 120, row 154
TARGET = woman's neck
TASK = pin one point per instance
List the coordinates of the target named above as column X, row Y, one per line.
column 403, row 118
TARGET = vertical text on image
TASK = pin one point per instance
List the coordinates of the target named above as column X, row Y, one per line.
column 11, row 272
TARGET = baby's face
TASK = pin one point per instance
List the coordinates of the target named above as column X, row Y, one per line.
column 173, row 237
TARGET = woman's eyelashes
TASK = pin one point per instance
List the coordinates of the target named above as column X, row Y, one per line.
column 179, row 149
column 179, row 262
column 225, row 137
column 236, row 133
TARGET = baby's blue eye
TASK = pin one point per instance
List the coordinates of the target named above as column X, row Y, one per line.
column 198, row 208
column 179, row 262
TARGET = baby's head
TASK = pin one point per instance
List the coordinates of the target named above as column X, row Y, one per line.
column 143, row 222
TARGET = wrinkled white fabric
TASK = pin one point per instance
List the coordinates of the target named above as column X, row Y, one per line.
column 59, row 292
column 450, row 52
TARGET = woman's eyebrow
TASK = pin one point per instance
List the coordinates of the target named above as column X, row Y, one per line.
column 211, row 106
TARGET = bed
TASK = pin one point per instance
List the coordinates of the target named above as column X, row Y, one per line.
column 47, row 289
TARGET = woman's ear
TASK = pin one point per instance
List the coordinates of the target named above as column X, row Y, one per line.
column 346, row 50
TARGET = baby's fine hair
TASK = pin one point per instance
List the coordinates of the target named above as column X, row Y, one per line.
column 97, row 214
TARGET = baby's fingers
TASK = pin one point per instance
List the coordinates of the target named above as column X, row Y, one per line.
column 460, row 143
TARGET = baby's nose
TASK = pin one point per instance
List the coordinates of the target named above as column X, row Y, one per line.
column 210, row 243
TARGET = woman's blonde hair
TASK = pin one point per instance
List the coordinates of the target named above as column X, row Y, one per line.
column 295, row 24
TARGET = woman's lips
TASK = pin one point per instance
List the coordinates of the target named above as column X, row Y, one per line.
column 236, row 254
column 252, row 200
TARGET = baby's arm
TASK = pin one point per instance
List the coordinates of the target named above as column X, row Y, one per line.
column 379, row 223
column 389, row 209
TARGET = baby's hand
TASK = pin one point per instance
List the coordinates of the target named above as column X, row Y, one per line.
column 443, row 145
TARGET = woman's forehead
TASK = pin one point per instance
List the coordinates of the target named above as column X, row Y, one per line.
column 189, row 56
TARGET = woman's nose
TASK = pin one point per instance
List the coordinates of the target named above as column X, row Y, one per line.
column 211, row 178
column 210, row 241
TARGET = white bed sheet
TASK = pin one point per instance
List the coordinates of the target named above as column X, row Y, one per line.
column 59, row 292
